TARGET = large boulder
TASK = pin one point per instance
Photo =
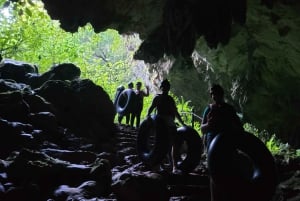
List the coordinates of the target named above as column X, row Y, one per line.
column 82, row 106
column 13, row 107
column 16, row 70
column 64, row 71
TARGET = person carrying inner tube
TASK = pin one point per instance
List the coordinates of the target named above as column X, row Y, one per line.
column 128, row 116
column 118, row 92
column 166, row 108
column 219, row 117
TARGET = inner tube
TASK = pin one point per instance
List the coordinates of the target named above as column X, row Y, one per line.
column 153, row 141
column 241, row 168
column 125, row 102
column 190, row 138
column 117, row 94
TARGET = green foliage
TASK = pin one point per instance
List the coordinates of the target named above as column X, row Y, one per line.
column 184, row 109
column 28, row 34
column 298, row 153
column 262, row 135
column 187, row 113
column 275, row 146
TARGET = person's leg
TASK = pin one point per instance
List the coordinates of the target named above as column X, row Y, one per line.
column 120, row 117
column 175, row 156
column 133, row 116
column 175, row 150
column 209, row 137
column 220, row 192
column 204, row 143
column 127, row 118
column 213, row 190
column 138, row 119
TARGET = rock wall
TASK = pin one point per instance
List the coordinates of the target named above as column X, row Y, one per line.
column 259, row 69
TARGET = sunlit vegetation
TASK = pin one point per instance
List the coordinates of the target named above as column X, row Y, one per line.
column 273, row 144
column 187, row 112
column 28, row 34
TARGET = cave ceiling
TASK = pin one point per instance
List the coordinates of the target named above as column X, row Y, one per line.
column 167, row 27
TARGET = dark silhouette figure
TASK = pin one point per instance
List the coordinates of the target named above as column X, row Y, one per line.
column 128, row 115
column 139, row 103
column 219, row 117
column 166, row 108
column 118, row 92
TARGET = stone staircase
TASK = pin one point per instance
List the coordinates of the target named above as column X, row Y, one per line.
column 191, row 186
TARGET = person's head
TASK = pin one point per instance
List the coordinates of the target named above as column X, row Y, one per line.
column 165, row 85
column 138, row 85
column 216, row 92
column 130, row 85
column 120, row 88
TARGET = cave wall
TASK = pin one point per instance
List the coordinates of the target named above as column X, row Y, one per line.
column 259, row 68
column 273, row 61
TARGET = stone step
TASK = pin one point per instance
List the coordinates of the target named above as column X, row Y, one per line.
column 202, row 192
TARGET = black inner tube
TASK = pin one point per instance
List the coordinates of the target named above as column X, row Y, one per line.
column 125, row 102
column 242, row 168
column 190, row 139
column 153, row 142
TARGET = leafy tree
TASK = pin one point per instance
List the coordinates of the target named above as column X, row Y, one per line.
column 28, row 34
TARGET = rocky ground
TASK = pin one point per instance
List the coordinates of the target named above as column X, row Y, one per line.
column 192, row 186
column 195, row 185
column 74, row 169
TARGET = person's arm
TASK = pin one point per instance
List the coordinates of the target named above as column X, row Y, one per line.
column 205, row 125
column 152, row 106
column 147, row 91
column 177, row 115
column 236, row 122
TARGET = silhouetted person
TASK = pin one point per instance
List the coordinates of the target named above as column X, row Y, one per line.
column 166, row 108
column 139, row 103
column 129, row 114
column 118, row 92
column 219, row 117
column 120, row 89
